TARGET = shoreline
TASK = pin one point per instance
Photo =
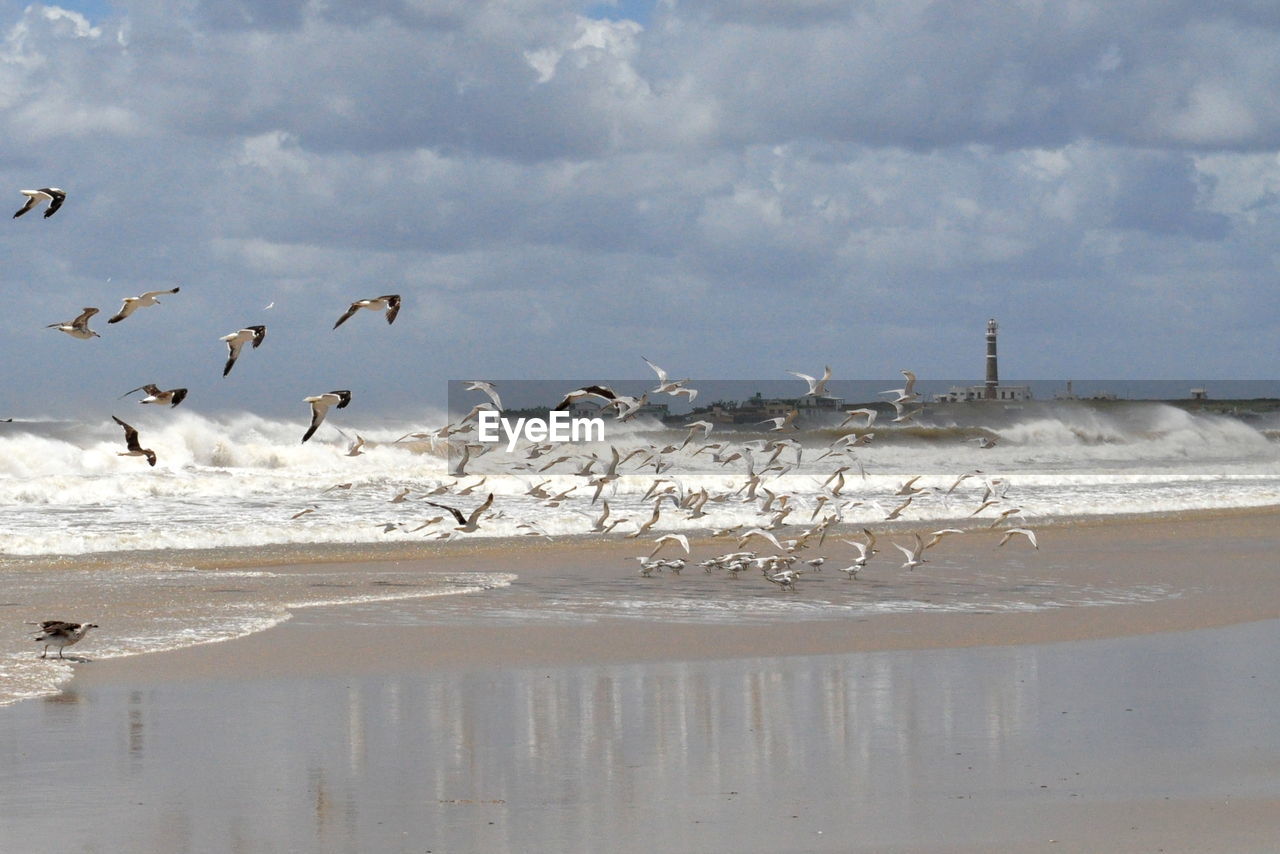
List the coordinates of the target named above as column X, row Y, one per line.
column 1213, row 566
column 446, row 724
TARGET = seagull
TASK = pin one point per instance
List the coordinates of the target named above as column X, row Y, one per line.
column 817, row 387
column 782, row 423
column 850, row 413
column 391, row 302
column 936, row 536
column 488, row 388
column 172, row 397
column 764, row 535
column 131, row 440
column 61, row 634
column 52, row 195
column 914, row 556
column 1026, row 532
column 679, row 539
column 78, row 328
column 131, row 304
column 601, row 391
column 469, row 523
column 356, row 448
column 907, row 393
column 237, row 340
column 320, row 404
column 666, row 385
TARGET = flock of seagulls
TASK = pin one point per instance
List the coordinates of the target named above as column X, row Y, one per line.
column 779, row 543
column 59, row 634
column 782, row 549
column 252, row 335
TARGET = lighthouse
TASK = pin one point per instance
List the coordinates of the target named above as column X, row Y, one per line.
column 993, row 373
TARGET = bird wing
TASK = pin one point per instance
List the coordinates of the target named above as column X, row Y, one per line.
column 318, row 409
column 130, row 303
column 393, row 307
column 662, row 375
column 457, row 514
column 234, row 346
column 355, row 306
column 83, row 320
column 475, row 514
column 130, row 435
column 57, row 197
column 32, row 200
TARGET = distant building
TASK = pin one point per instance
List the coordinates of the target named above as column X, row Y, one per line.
column 1199, row 394
column 959, row 394
column 594, row 409
column 759, row 408
column 991, row 389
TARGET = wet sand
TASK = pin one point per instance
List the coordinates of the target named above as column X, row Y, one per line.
column 1124, row 727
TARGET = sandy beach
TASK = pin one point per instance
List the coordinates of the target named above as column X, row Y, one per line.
column 1116, row 724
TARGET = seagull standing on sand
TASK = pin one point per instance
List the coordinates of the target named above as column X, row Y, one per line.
column 135, row 448
column 131, row 304
column 52, row 195
column 61, row 634
column 390, row 302
column 78, row 328
column 320, row 404
column 172, row 397
column 237, row 340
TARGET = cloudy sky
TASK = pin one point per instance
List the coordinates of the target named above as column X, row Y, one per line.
column 557, row 188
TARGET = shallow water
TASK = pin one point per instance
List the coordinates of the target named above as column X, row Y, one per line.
column 1009, row 748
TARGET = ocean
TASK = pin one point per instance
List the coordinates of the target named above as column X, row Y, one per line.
column 221, row 538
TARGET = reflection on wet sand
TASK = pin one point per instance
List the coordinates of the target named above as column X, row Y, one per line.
column 841, row 752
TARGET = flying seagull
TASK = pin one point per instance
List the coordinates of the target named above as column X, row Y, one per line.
column 61, row 634
column 78, row 328
column 601, row 391
column 817, row 386
column 488, row 388
column 133, row 303
column 391, row 302
column 237, row 340
column 320, row 404
column 172, row 397
column 135, row 448
column 1026, row 532
column 469, row 523
column 52, row 195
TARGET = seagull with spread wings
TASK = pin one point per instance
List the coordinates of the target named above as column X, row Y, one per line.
column 237, row 340
column 134, row 446
column 78, row 328
column 466, row 524
column 52, row 195
column 320, row 404
column 389, row 302
column 132, row 304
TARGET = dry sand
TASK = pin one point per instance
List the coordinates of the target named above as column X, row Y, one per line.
column 1152, row 728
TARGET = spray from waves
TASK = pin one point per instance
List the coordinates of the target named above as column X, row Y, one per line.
column 245, row 480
